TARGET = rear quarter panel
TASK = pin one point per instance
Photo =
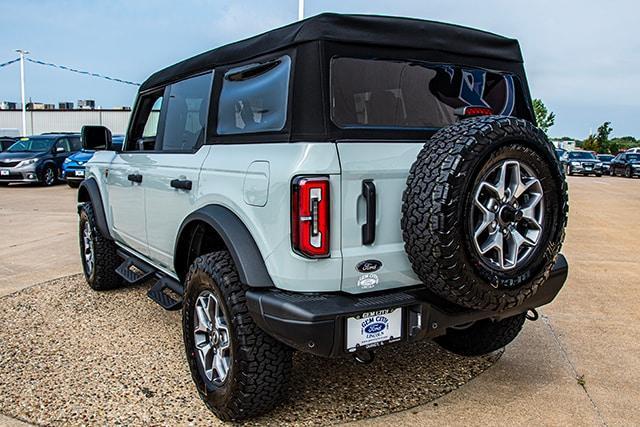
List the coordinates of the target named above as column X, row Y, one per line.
column 229, row 179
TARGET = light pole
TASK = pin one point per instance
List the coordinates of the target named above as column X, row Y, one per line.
column 24, row 105
column 300, row 10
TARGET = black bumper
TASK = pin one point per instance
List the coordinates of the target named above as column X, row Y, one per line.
column 316, row 323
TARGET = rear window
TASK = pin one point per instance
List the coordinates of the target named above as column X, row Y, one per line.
column 412, row 94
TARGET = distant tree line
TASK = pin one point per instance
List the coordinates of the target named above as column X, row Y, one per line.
column 600, row 142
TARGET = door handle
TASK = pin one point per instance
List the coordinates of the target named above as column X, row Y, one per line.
column 134, row 177
column 182, row 184
column 369, row 227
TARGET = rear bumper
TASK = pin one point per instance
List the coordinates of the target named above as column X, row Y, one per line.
column 316, row 323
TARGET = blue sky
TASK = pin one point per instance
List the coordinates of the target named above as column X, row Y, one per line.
column 582, row 57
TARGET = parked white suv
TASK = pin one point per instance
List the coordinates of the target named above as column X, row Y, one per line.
column 311, row 189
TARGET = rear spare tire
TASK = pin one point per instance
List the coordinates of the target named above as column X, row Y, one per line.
column 484, row 212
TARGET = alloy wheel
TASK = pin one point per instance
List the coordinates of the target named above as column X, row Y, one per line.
column 49, row 176
column 87, row 246
column 507, row 215
column 212, row 339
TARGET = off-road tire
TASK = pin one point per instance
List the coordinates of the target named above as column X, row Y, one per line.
column 260, row 365
column 106, row 260
column 482, row 337
column 436, row 205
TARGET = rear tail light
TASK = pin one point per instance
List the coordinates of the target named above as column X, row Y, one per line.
column 471, row 111
column 310, row 216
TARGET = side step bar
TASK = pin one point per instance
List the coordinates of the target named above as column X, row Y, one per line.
column 134, row 271
column 166, row 292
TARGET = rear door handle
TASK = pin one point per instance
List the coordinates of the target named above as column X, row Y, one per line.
column 369, row 227
column 134, row 177
column 182, row 184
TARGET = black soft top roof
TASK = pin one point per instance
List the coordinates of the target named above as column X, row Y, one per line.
column 353, row 29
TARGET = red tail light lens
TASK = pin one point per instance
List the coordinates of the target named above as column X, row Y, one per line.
column 473, row 111
column 310, row 216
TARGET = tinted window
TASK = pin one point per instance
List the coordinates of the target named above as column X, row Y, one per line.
column 145, row 125
column 254, row 98
column 633, row 157
column 76, row 144
column 187, row 110
column 404, row 94
column 64, row 144
column 605, row 157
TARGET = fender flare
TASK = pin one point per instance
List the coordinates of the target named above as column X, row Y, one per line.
column 89, row 192
column 238, row 240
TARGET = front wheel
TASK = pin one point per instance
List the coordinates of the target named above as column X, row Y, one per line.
column 49, row 176
column 569, row 172
column 238, row 369
column 627, row 172
column 482, row 337
column 98, row 254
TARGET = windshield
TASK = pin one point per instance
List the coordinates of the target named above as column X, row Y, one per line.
column 605, row 157
column 582, row 155
column 32, row 145
column 633, row 157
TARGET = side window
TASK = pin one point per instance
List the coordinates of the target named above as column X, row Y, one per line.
column 64, row 144
column 254, row 98
column 186, row 116
column 76, row 144
column 145, row 125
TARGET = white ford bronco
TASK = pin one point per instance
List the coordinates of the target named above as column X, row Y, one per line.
column 332, row 186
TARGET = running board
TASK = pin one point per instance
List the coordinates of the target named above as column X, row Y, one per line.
column 168, row 293
column 134, row 271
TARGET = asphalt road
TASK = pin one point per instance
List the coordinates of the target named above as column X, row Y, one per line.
column 579, row 364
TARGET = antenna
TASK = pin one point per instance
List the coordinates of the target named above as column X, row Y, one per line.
column 300, row 10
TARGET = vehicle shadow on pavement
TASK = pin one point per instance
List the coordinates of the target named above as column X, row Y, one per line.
column 69, row 355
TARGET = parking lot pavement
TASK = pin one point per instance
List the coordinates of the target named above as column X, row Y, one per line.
column 38, row 237
column 578, row 365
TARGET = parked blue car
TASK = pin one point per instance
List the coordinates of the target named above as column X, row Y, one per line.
column 73, row 166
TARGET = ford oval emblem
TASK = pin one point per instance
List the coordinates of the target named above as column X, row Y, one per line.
column 369, row 266
column 375, row 327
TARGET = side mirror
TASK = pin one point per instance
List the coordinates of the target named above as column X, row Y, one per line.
column 59, row 149
column 95, row 138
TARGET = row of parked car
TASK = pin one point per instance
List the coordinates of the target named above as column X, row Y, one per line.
column 45, row 159
column 580, row 162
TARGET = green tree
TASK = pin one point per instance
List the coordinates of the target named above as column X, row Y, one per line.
column 602, row 136
column 544, row 117
column 591, row 144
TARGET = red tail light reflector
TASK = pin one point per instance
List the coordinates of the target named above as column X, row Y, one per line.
column 310, row 216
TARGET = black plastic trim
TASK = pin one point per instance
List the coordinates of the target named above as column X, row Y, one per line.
column 316, row 323
column 238, row 240
column 369, row 227
column 91, row 187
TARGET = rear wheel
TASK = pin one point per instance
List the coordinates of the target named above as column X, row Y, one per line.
column 482, row 337
column 238, row 369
